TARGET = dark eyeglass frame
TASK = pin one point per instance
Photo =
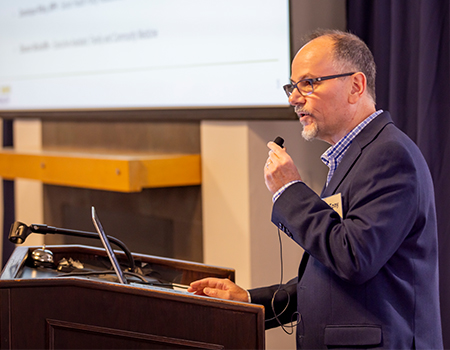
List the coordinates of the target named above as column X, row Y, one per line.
column 289, row 88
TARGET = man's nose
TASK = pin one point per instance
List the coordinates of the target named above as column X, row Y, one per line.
column 296, row 98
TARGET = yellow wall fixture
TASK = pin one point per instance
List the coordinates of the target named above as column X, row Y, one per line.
column 122, row 173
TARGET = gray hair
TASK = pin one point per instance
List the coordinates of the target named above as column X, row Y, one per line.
column 351, row 54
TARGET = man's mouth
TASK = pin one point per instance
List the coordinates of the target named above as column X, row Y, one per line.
column 301, row 113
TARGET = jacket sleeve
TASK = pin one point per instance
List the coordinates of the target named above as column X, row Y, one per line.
column 284, row 300
column 380, row 208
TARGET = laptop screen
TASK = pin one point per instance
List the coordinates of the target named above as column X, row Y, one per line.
column 107, row 245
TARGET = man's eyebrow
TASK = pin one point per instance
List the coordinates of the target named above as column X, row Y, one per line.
column 303, row 77
column 295, row 82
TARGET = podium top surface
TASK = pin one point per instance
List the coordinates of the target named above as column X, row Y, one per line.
column 21, row 266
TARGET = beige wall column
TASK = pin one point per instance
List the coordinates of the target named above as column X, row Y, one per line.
column 29, row 202
column 237, row 231
column 1, row 195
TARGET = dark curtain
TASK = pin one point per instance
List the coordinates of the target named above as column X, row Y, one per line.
column 8, row 197
column 410, row 42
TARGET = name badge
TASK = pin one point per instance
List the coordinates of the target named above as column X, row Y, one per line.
column 335, row 202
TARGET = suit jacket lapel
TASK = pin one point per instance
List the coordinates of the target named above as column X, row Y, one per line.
column 354, row 151
column 361, row 140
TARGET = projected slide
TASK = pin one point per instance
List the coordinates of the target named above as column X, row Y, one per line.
column 94, row 54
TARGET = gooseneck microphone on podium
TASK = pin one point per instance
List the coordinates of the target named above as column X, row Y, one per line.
column 20, row 231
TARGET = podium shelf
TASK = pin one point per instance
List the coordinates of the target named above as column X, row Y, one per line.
column 102, row 171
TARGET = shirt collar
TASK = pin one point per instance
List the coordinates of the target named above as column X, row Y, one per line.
column 338, row 150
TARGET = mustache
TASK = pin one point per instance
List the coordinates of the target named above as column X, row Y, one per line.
column 299, row 110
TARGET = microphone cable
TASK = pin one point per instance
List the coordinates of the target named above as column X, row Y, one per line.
column 288, row 329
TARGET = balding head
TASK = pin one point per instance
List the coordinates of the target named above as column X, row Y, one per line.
column 350, row 53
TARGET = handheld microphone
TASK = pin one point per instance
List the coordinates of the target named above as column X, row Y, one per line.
column 279, row 141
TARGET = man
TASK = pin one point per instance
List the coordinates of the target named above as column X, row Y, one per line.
column 368, row 279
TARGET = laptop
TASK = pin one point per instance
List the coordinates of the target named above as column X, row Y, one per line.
column 105, row 241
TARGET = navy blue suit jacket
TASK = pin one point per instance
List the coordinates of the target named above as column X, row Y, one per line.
column 372, row 276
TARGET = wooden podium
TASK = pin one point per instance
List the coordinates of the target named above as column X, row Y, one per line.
column 42, row 310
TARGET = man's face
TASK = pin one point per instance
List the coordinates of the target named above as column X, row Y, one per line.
column 323, row 113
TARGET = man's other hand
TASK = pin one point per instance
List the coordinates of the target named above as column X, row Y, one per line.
column 221, row 288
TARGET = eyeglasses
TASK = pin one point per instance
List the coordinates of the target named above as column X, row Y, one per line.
column 306, row 86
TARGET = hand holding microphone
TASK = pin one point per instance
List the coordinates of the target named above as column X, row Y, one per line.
column 280, row 168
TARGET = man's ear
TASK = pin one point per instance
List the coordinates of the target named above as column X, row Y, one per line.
column 358, row 87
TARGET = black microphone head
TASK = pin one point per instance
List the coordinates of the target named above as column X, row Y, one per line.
column 18, row 232
column 279, row 141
